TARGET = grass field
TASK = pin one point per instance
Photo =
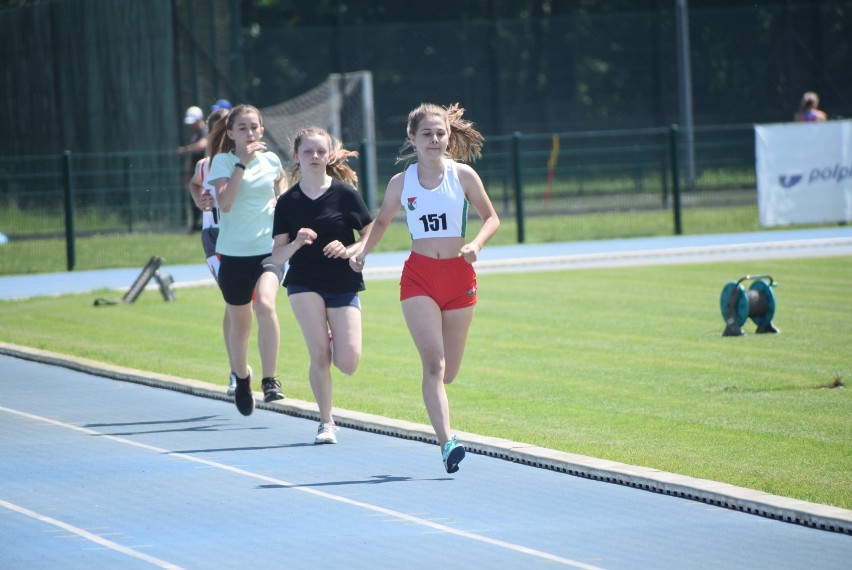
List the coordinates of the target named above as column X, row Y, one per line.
column 107, row 251
column 626, row 364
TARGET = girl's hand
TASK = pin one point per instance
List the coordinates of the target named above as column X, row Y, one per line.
column 356, row 264
column 334, row 249
column 356, row 261
column 470, row 252
column 205, row 202
column 305, row 236
column 251, row 148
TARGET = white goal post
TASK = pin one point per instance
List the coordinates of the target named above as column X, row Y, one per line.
column 342, row 105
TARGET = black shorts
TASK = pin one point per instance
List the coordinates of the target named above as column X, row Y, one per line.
column 238, row 277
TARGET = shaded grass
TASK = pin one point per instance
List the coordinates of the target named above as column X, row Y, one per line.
column 626, row 364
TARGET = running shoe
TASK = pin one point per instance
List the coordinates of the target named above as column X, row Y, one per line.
column 232, row 383
column 325, row 433
column 243, row 397
column 271, row 389
column 453, row 454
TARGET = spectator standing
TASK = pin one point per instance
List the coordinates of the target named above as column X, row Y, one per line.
column 221, row 104
column 191, row 153
column 809, row 110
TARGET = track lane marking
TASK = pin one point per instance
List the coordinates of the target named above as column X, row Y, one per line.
column 90, row 536
column 322, row 494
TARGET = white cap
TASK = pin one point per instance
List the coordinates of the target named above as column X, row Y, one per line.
column 193, row 115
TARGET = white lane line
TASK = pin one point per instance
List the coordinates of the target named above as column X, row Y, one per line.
column 322, row 494
column 90, row 536
column 673, row 252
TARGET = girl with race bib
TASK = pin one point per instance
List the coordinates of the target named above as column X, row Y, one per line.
column 438, row 284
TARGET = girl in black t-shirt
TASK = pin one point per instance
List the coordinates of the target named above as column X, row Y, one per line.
column 314, row 229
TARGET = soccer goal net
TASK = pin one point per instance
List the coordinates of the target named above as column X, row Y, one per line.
column 342, row 105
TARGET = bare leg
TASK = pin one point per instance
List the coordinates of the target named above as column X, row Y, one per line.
column 240, row 317
column 456, row 326
column 214, row 264
column 345, row 325
column 310, row 312
column 268, row 329
column 424, row 321
column 226, row 332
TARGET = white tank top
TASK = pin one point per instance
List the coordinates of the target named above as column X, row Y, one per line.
column 209, row 218
column 439, row 212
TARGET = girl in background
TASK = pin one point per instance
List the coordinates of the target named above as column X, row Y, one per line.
column 204, row 195
column 438, row 283
column 809, row 110
column 314, row 229
column 248, row 181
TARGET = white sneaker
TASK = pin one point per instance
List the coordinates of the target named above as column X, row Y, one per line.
column 232, row 384
column 325, row 433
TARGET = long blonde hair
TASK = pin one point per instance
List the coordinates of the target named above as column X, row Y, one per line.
column 337, row 167
column 465, row 142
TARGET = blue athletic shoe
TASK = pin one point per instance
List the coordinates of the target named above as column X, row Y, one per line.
column 453, row 454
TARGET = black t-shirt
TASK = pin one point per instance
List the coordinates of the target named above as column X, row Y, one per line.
column 336, row 215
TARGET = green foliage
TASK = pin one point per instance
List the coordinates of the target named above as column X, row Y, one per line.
column 627, row 364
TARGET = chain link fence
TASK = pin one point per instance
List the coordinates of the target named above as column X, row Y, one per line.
column 95, row 92
column 97, row 207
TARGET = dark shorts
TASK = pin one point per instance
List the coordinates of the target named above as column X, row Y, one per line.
column 238, row 277
column 332, row 300
column 451, row 283
column 208, row 241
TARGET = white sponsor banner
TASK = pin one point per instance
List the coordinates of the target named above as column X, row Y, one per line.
column 804, row 172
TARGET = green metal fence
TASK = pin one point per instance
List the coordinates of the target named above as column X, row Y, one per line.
column 612, row 184
column 546, row 187
column 54, row 202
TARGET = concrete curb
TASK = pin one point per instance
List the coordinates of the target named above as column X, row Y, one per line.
column 813, row 515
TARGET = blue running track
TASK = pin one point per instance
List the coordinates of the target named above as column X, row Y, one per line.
column 102, row 467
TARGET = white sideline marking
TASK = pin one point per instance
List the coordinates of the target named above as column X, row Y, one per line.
column 279, row 482
column 90, row 536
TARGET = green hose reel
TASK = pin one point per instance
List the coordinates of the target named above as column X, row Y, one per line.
column 758, row 302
